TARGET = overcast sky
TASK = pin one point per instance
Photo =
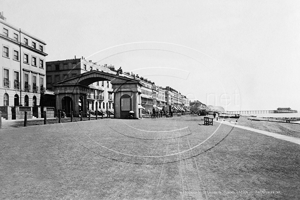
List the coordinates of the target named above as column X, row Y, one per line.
column 242, row 55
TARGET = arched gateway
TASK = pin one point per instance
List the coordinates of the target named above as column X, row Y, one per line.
column 76, row 90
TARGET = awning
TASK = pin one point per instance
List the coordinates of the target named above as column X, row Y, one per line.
column 140, row 107
column 49, row 92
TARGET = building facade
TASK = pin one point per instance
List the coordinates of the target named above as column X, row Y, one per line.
column 148, row 97
column 100, row 97
column 101, row 94
column 22, row 69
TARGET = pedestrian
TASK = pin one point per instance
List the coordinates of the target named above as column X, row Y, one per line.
column 217, row 116
column 214, row 115
column 153, row 112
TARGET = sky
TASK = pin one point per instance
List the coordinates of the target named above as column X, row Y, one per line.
column 242, row 55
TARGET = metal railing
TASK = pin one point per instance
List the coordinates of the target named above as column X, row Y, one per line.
column 6, row 82
column 100, row 97
column 26, row 87
column 42, row 90
column 35, row 88
column 16, row 84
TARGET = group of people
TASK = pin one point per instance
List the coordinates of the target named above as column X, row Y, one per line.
column 157, row 113
column 161, row 113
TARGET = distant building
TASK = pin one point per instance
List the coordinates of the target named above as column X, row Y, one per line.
column 148, row 96
column 159, row 97
column 100, row 96
column 22, row 69
column 176, row 100
column 101, row 93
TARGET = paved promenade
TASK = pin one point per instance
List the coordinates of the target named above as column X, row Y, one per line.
column 267, row 133
column 165, row 158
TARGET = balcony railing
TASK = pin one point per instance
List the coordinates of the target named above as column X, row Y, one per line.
column 100, row 97
column 42, row 90
column 26, row 87
column 90, row 96
column 16, row 84
column 6, row 82
column 35, row 88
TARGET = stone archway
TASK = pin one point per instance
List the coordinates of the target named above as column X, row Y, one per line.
column 78, row 87
column 67, row 105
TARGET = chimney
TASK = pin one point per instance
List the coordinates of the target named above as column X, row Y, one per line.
column 2, row 16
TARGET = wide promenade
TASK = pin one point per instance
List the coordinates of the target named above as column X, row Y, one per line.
column 164, row 158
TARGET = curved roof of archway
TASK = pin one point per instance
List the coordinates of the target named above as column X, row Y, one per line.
column 90, row 77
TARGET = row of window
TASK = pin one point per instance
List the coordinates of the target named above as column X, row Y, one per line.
column 5, row 53
column 107, row 83
column 58, row 67
column 16, row 38
column 98, row 94
column 57, row 78
column 27, row 87
column 146, row 92
column 16, row 100
column 109, row 105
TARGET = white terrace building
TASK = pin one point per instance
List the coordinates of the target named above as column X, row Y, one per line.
column 22, row 69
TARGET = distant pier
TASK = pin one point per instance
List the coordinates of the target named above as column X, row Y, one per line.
column 250, row 112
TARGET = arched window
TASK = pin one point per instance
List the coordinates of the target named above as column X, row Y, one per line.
column 5, row 100
column 26, row 100
column 16, row 100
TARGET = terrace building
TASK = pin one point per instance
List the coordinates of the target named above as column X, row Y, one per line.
column 148, row 98
column 22, row 71
column 161, row 97
column 175, row 99
column 101, row 93
column 100, row 96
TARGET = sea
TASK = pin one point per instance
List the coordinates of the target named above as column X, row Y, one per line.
column 280, row 115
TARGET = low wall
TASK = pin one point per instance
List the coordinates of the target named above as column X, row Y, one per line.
column 4, row 112
column 50, row 112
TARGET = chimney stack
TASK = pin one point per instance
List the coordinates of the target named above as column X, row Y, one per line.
column 2, row 16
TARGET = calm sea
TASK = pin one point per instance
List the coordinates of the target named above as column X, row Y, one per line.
column 279, row 115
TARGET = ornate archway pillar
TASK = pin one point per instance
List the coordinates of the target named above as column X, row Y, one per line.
column 129, row 87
